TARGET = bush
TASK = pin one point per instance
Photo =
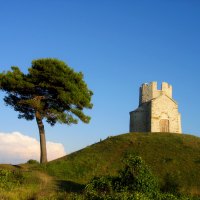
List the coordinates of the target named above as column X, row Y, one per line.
column 134, row 181
column 31, row 161
column 100, row 185
column 136, row 176
column 10, row 179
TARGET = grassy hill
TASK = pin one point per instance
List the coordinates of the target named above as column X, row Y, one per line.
column 174, row 155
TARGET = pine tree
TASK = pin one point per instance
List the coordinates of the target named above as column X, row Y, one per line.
column 51, row 90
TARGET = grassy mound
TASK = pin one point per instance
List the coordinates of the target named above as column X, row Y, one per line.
column 173, row 158
column 170, row 156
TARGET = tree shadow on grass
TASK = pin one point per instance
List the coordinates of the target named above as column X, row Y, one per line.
column 17, row 166
column 69, row 186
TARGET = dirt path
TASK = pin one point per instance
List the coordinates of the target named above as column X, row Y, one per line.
column 47, row 184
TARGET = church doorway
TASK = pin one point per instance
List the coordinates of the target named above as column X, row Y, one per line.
column 164, row 125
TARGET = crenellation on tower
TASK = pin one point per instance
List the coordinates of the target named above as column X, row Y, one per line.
column 167, row 89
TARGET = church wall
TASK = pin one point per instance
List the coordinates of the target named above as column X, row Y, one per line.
column 179, row 123
column 165, row 108
column 138, row 121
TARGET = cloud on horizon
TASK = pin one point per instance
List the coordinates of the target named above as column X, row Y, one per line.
column 17, row 148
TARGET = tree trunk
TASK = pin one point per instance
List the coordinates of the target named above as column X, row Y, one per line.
column 43, row 150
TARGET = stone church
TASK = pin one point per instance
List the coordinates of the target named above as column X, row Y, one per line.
column 157, row 111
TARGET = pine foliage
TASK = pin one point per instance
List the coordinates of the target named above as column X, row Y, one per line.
column 52, row 88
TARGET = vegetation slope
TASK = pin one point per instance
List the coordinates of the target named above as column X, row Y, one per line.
column 177, row 155
column 168, row 155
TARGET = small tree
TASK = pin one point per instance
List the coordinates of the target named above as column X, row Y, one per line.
column 136, row 176
column 51, row 90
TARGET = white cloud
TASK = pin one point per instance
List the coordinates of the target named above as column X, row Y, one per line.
column 18, row 148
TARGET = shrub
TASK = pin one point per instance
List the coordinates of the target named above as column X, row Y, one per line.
column 10, row 179
column 134, row 181
column 136, row 176
column 31, row 161
column 101, row 185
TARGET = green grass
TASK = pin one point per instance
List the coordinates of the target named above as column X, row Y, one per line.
column 174, row 155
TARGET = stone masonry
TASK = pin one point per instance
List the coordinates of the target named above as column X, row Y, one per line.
column 157, row 111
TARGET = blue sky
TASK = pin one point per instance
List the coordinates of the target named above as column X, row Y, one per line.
column 118, row 45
